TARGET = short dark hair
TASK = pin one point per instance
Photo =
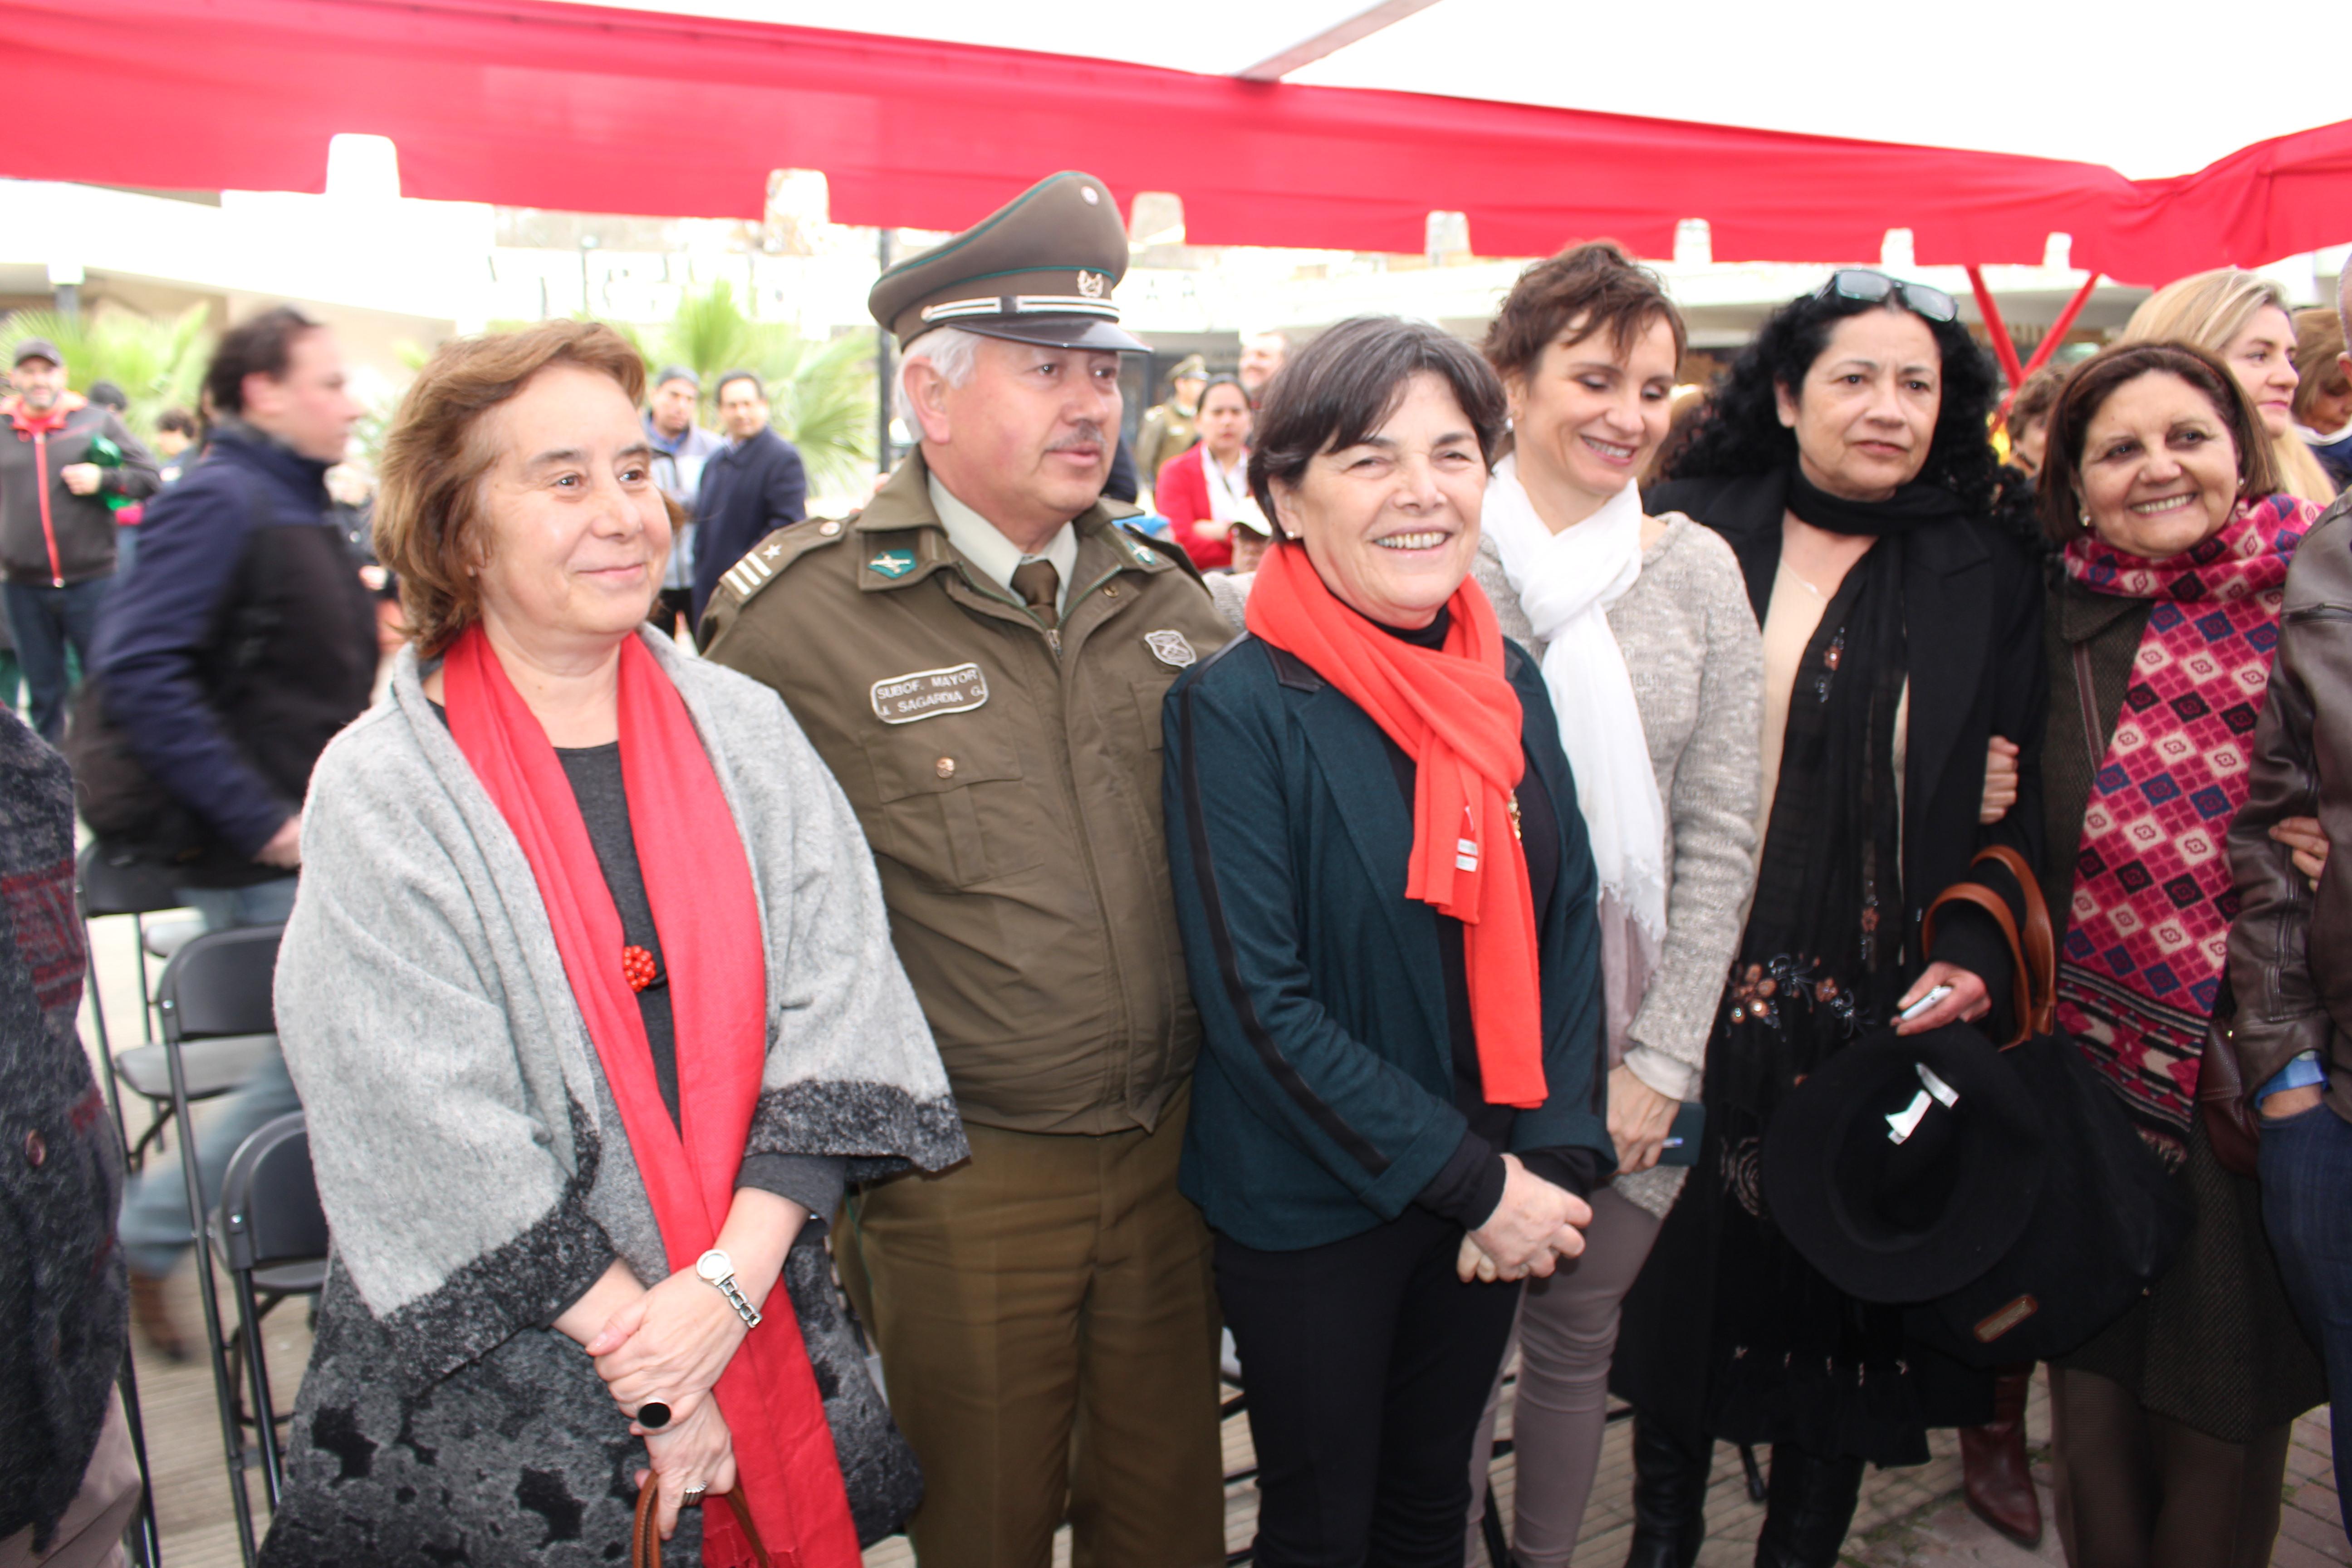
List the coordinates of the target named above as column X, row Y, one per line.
column 671, row 373
column 2037, row 396
column 106, row 395
column 719, row 392
column 262, row 346
column 2098, row 378
column 1211, row 383
column 1740, row 435
column 1344, row 385
column 179, row 420
column 1597, row 284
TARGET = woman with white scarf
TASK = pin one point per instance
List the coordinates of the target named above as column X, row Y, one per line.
column 1655, row 669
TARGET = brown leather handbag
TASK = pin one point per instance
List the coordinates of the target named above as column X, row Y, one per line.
column 645, row 1538
column 2232, row 1126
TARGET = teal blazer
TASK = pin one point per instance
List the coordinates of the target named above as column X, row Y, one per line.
column 1323, row 1103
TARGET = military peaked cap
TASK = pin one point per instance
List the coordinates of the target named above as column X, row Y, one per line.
column 1039, row 269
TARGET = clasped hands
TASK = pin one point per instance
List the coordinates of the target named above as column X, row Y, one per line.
column 671, row 1343
column 1535, row 1225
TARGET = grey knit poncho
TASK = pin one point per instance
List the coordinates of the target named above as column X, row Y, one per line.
column 475, row 1175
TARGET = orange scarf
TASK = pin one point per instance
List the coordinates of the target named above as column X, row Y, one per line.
column 1456, row 715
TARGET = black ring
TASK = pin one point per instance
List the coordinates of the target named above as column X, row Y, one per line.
column 652, row 1416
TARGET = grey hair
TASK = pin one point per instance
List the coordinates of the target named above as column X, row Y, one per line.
column 951, row 352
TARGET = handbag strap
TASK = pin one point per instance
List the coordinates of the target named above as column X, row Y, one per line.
column 645, row 1534
column 2040, row 936
column 2033, row 980
column 1993, row 904
column 2087, row 702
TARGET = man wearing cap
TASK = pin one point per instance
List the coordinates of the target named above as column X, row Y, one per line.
column 1167, row 431
column 56, row 532
column 980, row 655
column 681, row 447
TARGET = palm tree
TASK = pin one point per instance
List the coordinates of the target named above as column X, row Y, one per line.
column 159, row 364
column 820, row 393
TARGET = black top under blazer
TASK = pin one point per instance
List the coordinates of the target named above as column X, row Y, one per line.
column 1323, row 1104
column 1972, row 604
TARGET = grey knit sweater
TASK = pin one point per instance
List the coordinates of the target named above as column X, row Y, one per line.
column 472, row 1161
column 1692, row 646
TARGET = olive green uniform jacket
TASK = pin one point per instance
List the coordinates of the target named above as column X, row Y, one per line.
column 1008, row 778
column 1167, row 434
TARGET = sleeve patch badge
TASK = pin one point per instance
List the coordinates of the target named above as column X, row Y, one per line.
column 1169, row 647
column 926, row 693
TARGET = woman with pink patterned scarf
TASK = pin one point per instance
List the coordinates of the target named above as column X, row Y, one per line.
column 2171, row 1427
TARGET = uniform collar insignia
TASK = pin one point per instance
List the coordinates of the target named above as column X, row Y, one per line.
column 893, row 563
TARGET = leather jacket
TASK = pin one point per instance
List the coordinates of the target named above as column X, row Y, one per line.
column 2291, row 950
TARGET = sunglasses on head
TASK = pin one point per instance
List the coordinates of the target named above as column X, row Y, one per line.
column 1876, row 288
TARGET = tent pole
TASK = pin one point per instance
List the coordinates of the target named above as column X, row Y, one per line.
column 2051, row 340
column 1995, row 328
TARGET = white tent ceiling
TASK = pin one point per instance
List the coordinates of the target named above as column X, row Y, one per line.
column 2063, row 79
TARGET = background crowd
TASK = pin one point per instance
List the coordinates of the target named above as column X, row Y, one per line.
column 1790, row 907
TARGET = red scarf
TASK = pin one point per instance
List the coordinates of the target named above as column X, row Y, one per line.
column 699, row 885
column 2148, row 933
column 1453, row 712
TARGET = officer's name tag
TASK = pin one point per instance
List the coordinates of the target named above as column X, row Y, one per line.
column 923, row 693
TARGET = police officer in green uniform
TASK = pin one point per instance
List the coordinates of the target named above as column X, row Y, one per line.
column 1169, row 431
column 981, row 655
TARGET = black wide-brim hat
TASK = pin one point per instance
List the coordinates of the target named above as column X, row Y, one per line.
column 1905, row 1165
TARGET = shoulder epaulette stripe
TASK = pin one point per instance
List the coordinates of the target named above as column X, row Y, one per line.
column 747, row 573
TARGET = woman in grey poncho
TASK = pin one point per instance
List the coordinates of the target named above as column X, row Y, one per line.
column 590, row 996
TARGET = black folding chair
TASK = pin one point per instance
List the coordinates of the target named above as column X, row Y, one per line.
column 271, row 1235
column 214, row 998
column 114, row 884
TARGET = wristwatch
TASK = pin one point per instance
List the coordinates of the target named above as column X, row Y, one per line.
column 719, row 1270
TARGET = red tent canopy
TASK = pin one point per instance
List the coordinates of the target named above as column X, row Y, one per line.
column 530, row 103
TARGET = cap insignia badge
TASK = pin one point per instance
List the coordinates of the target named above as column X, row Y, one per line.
column 1169, row 647
column 1090, row 284
column 892, row 562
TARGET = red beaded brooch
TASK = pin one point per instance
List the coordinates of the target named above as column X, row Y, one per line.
column 638, row 968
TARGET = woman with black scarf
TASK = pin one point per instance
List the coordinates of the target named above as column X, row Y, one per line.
column 1846, row 460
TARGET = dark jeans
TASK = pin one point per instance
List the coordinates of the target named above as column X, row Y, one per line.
column 2306, row 1171
column 1367, row 1364
column 46, row 622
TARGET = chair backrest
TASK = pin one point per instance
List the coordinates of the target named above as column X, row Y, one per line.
column 269, row 1211
column 219, row 983
column 123, row 885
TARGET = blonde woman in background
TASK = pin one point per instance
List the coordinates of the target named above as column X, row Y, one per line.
column 2242, row 320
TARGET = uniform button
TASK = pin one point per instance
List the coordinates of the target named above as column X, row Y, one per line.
column 1111, row 591
column 947, row 767
column 36, row 1150
column 828, row 528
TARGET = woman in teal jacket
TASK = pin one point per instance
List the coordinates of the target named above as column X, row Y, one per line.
column 1387, row 903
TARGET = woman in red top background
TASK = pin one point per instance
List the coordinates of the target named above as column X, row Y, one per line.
column 1205, row 492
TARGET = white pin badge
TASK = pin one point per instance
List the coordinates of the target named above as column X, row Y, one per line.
column 1169, row 647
